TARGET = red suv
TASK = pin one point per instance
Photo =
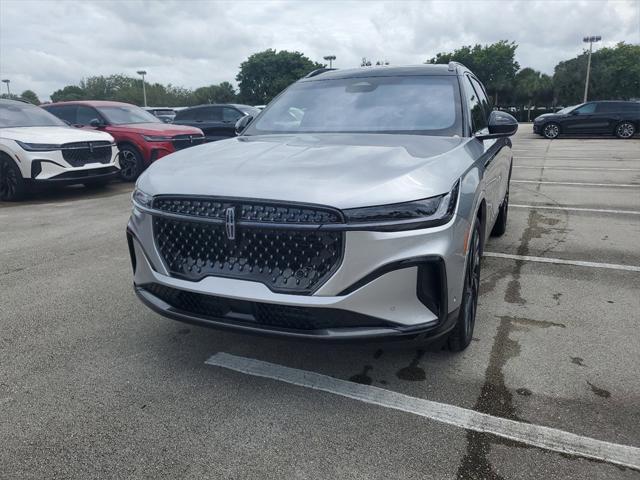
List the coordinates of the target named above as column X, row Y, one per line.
column 141, row 137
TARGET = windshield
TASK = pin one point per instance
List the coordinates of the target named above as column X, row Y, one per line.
column 567, row 109
column 127, row 114
column 19, row 115
column 428, row 105
column 248, row 109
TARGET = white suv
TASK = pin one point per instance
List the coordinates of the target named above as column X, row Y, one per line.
column 37, row 147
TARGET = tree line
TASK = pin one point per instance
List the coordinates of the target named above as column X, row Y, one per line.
column 615, row 74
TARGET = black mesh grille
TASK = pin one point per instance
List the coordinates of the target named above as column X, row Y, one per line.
column 263, row 314
column 78, row 154
column 247, row 210
column 292, row 261
column 186, row 141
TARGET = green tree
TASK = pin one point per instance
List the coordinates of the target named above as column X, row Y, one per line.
column 70, row 92
column 265, row 74
column 222, row 93
column 30, row 96
column 615, row 75
column 494, row 64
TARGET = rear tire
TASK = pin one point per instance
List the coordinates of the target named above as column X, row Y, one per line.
column 131, row 165
column 12, row 185
column 461, row 335
column 551, row 131
column 625, row 130
column 501, row 222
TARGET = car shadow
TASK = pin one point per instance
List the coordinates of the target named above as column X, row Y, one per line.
column 44, row 194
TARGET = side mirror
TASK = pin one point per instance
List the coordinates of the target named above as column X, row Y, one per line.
column 501, row 124
column 242, row 123
column 95, row 123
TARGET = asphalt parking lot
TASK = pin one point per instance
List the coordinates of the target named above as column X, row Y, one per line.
column 95, row 385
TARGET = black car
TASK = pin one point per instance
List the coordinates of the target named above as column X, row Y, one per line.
column 217, row 121
column 610, row 117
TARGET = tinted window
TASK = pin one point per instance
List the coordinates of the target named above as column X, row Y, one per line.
column 209, row 114
column 411, row 104
column 188, row 114
column 586, row 109
column 127, row 114
column 629, row 107
column 482, row 95
column 27, row 115
column 85, row 114
column 607, row 107
column 478, row 118
column 230, row 114
column 64, row 112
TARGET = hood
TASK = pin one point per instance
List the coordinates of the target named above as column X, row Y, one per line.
column 340, row 170
column 55, row 135
column 156, row 129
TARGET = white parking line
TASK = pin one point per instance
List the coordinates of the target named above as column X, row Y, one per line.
column 576, row 209
column 536, row 435
column 632, row 185
column 606, row 169
column 559, row 261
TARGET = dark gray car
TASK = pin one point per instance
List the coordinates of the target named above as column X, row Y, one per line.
column 217, row 121
column 355, row 206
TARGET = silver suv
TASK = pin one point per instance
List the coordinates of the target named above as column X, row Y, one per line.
column 355, row 206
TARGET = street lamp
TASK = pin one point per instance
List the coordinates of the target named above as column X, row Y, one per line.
column 330, row 59
column 590, row 40
column 7, row 81
column 144, row 91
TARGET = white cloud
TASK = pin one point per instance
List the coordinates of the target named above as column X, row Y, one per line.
column 45, row 45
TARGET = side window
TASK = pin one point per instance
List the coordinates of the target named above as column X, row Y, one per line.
column 64, row 112
column 586, row 109
column 478, row 118
column 85, row 115
column 230, row 115
column 209, row 114
column 188, row 114
column 482, row 95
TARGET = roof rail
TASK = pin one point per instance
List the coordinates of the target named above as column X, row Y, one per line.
column 318, row 71
column 453, row 66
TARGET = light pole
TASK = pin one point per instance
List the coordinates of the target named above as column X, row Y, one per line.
column 144, row 90
column 7, row 81
column 330, row 59
column 590, row 40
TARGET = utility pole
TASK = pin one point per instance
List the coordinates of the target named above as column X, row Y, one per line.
column 7, row 81
column 144, row 91
column 590, row 40
column 330, row 59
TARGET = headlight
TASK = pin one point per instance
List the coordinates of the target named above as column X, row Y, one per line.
column 38, row 147
column 428, row 212
column 141, row 199
column 157, row 138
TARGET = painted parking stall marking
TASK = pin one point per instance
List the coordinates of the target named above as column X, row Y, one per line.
column 560, row 261
column 580, row 184
column 576, row 209
column 535, row 435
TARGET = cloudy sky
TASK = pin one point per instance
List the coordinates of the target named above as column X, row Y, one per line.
column 45, row 45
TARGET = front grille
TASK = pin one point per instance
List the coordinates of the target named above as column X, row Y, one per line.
column 78, row 154
column 247, row 210
column 185, row 141
column 289, row 261
column 263, row 314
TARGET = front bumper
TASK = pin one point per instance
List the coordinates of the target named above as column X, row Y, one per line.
column 389, row 284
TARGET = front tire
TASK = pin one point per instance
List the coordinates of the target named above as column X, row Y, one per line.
column 551, row 131
column 131, row 164
column 461, row 335
column 625, row 130
column 12, row 185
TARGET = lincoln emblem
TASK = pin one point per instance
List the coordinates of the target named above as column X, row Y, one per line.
column 230, row 223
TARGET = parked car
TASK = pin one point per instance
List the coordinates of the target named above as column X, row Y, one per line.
column 365, row 218
column 612, row 117
column 163, row 113
column 38, row 148
column 217, row 121
column 141, row 137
